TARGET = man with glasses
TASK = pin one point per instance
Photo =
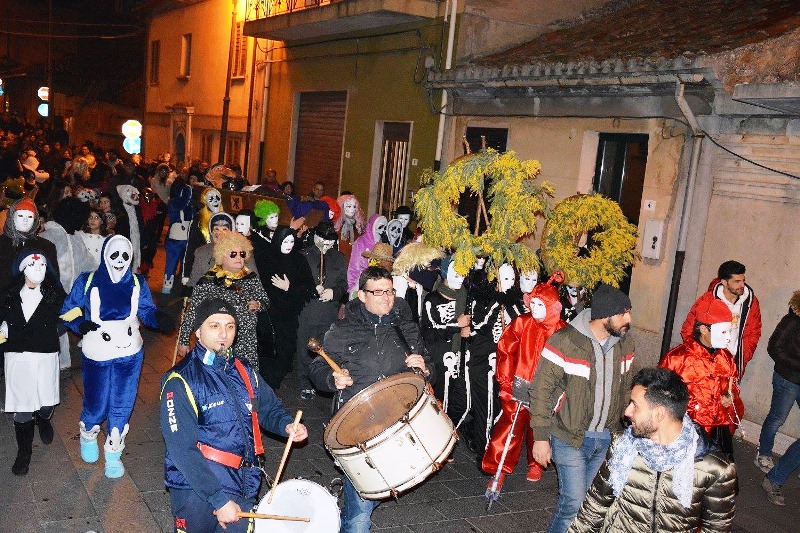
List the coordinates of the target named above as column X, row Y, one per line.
column 377, row 338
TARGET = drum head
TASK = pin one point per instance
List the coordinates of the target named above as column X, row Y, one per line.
column 373, row 410
column 301, row 498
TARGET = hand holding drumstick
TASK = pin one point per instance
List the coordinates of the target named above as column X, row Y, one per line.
column 341, row 377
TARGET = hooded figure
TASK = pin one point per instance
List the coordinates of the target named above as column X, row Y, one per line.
column 376, row 226
column 350, row 225
column 105, row 306
column 181, row 214
column 199, row 234
column 29, row 323
column 130, row 203
column 288, row 280
column 20, row 233
column 518, row 353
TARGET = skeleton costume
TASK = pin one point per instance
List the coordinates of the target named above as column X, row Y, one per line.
column 492, row 311
column 210, row 204
column 105, row 306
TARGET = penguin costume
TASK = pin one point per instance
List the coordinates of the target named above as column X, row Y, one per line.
column 105, row 306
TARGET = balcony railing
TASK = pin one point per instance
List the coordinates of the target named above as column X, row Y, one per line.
column 259, row 9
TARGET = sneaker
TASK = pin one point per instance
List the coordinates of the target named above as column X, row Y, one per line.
column 534, row 472
column 307, row 394
column 764, row 463
column 773, row 491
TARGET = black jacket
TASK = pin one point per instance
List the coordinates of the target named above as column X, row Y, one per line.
column 784, row 347
column 370, row 350
column 40, row 333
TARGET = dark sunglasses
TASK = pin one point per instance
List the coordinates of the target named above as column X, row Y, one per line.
column 242, row 254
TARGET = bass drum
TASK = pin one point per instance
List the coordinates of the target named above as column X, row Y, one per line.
column 390, row 436
column 301, row 498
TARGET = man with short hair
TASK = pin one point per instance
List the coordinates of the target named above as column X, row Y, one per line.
column 585, row 373
column 730, row 287
column 377, row 338
column 659, row 474
column 211, row 406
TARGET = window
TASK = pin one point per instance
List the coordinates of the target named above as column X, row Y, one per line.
column 233, row 150
column 206, row 147
column 186, row 56
column 155, row 60
column 239, row 52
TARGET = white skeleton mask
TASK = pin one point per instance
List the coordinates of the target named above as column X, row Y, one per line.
column 117, row 257
column 451, row 362
column 378, row 228
column 129, row 194
column 479, row 263
column 507, row 277
column 538, row 309
column 527, row 281
column 287, row 244
column 272, row 221
column 394, row 232
column 23, row 220
column 322, row 244
column 405, row 220
column 454, row 279
column 720, row 334
column 574, row 294
column 349, row 208
column 243, row 224
column 34, row 267
column 213, row 200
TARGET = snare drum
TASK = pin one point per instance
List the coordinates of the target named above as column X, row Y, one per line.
column 301, row 498
column 390, row 436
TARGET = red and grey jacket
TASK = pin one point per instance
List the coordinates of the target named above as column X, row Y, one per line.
column 206, row 421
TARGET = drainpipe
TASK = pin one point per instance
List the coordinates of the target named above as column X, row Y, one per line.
column 683, row 228
column 264, row 108
column 437, row 163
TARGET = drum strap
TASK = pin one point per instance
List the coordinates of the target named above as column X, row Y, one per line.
column 259, row 447
column 220, row 456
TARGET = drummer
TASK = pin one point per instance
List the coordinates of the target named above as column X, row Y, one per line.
column 211, row 464
column 377, row 338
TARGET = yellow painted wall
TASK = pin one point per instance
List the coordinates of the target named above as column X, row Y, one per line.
column 384, row 83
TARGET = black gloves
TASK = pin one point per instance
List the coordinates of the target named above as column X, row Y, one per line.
column 164, row 322
column 86, row 326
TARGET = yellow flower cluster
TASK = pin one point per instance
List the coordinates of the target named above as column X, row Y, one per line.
column 514, row 205
column 613, row 240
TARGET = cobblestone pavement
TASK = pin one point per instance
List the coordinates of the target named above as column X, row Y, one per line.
column 62, row 494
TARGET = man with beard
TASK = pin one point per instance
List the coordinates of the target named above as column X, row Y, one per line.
column 585, row 372
column 660, row 458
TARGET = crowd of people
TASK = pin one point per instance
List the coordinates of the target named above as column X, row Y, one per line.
column 519, row 360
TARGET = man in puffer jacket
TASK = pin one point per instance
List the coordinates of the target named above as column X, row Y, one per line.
column 659, row 474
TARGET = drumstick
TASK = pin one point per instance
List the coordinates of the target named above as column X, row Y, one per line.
column 315, row 346
column 177, row 339
column 245, row 514
column 285, row 455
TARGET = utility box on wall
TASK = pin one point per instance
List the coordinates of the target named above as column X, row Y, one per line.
column 651, row 240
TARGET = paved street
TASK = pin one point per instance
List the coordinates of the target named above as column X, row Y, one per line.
column 63, row 494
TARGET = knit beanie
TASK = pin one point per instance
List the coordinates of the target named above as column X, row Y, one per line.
column 608, row 301
column 713, row 311
column 212, row 306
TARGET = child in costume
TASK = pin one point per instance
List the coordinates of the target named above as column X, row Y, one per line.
column 29, row 314
column 105, row 306
column 518, row 353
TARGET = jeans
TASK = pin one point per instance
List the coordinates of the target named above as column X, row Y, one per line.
column 786, row 465
column 784, row 395
column 357, row 512
column 576, row 469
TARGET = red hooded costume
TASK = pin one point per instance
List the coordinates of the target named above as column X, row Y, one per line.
column 518, row 352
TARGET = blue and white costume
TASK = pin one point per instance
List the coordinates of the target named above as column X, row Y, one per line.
column 105, row 306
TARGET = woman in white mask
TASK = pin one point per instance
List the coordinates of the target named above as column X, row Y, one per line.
column 29, row 310
column 350, row 225
column 20, row 233
column 288, row 280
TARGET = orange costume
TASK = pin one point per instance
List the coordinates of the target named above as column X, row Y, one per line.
column 518, row 352
column 706, row 374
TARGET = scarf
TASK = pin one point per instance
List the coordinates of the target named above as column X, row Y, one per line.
column 348, row 228
column 226, row 278
column 678, row 455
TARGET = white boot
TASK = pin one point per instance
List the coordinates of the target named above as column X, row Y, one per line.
column 89, row 450
column 168, row 282
column 112, row 450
